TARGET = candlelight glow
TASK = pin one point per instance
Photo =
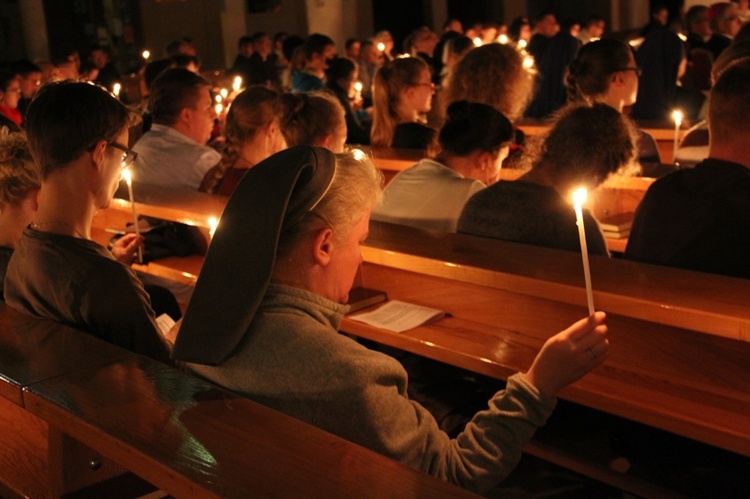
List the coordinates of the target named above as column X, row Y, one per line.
column 402, row 56
column 477, row 42
column 218, row 108
column 218, row 98
column 381, row 46
column 146, row 54
column 528, row 62
column 358, row 86
column 116, row 89
column 682, row 37
column 224, row 92
column 213, row 223
column 579, row 196
column 522, row 44
column 237, row 84
column 502, row 39
column 127, row 176
column 677, row 116
column 358, row 154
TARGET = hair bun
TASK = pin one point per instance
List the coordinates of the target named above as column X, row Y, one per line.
column 458, row 110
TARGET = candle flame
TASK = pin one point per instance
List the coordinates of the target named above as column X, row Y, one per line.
column 218, row 98
column 381, row 46
column 677, row 116
column 358, row 86
column 116, row 89
column 127, row 175
column 224, row 92
column 579, row 197
column 528, row 62
column 213, row 223
column 237, row 85
column 502, row 39
column 477, row 42
column 522, row 44
column 218, row 108
column 146, row 54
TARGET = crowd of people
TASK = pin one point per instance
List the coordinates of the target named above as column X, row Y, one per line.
column 300, row 202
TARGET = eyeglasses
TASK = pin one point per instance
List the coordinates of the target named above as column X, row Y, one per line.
column 430, row 84
column 128, row 157
column 638, row 71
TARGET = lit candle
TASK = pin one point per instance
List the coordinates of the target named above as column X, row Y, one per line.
column 219, row 108
column 502, row 39
column 237, row 84
column 528, row 62
column 579, row 197
column 146, row 54
column 212, row 224
column 129, row 180
column 381, row 47
column 477, row 41
column 116, row 89
column 357, row 91
column 522, row 44
column 677, row 117
column 219, row 98
column 224, row 93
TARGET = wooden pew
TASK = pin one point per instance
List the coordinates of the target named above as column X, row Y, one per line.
column 179, row 433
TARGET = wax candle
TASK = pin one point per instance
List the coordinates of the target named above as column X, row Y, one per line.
column 677, row 117
column 129, row 180
column 237, row 84
column 116, row 89
column 579, row 197
column 358, row 91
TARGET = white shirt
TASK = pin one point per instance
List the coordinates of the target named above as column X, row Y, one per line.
column 429, row 195
column 169, row 158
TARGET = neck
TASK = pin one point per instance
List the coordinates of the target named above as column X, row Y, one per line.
column 66, row 200
column 464, row 165
column 612, row 101
column 734, row 153
column 253, row 152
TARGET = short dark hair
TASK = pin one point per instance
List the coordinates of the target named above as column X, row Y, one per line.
column 24, row 68
column 244, row 40
column 339, row 68
column 350, row 42
column 172, row 91
column 154, row 69
column 5, row 78
column 67, row 118
column 316, row 44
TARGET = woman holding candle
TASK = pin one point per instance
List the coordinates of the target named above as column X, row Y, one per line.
column 278, row 343
column 341, row 78
column 584, row 146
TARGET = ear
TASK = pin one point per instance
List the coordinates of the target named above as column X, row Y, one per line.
column 618, row 78
column 185, row 116
column 34, row 195
column 325, row 141
column 98, row 154
column 482, row 160
column 323, row 247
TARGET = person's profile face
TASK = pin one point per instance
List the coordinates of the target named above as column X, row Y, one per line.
column 30, row 84
column 111, row 170
column 203, row 116
column 12, row 94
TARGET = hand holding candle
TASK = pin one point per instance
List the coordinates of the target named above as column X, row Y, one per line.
column 129, row 180
column 579, row 197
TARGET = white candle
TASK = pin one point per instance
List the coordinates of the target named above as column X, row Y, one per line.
column 677, row 117
column 579, row 197
column 129, row 180
column 237, row 84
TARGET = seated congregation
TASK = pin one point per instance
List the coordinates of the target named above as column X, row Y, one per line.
column 274, row 284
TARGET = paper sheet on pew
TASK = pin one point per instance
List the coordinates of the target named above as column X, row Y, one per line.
column 399, row 316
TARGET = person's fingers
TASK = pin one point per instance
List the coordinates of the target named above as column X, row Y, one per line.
column 583, row 326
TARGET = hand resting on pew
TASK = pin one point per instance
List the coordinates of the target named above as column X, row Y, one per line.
column 570, row 354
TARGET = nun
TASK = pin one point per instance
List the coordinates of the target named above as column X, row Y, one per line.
column 264, row 318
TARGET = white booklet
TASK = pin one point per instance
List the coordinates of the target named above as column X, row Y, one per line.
column 399, row 316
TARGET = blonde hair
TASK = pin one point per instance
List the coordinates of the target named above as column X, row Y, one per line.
column 493, row 74
column 19, row 174
column 357, row 186
column 389, row 82
column 307, row 117
column 251, row 111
